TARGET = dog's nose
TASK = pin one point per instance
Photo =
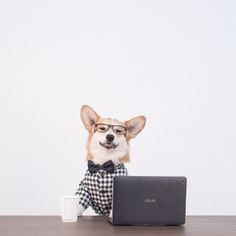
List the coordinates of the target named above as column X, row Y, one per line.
column 110, row 137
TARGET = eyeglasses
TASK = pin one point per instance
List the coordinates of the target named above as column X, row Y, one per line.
column 118, row 129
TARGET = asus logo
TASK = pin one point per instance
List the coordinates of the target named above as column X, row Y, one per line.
column 150, row 200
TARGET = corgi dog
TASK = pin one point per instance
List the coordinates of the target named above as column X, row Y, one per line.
column 107, row 151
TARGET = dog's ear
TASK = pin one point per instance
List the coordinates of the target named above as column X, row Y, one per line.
column 88, row 116
column 134, row 126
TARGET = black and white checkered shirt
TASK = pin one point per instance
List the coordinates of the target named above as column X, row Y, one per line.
column 95, row 189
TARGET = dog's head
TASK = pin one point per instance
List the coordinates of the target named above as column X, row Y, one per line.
column 109, row 138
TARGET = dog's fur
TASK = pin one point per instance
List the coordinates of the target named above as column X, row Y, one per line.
column 97, row 143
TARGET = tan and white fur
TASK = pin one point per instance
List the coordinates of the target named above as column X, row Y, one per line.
column 99, row 151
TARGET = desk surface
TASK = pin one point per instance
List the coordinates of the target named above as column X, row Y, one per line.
column 96, row 226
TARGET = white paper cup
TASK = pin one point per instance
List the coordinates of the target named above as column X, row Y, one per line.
column 69, row 208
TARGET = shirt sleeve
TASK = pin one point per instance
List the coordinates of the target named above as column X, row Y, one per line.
column 84, row 196
column 83, row 193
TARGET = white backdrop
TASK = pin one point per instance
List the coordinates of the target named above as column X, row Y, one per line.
column 172, row 61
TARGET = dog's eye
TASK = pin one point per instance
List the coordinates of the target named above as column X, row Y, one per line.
column 119, row 130
column 102, row 128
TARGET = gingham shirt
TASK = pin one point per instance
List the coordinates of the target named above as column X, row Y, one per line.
column 95, row 189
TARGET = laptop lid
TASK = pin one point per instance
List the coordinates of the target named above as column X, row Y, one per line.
column 145, row 200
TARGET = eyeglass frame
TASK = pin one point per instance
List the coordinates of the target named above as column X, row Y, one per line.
column 110, row 126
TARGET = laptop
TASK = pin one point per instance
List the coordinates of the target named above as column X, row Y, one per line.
column 145, row 200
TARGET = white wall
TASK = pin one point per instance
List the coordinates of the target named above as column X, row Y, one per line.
column 173, row 61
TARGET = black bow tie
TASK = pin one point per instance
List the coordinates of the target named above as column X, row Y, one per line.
column 107, row 166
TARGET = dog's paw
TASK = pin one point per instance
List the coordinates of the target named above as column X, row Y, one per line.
column 81, row 209
column 110, row 215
